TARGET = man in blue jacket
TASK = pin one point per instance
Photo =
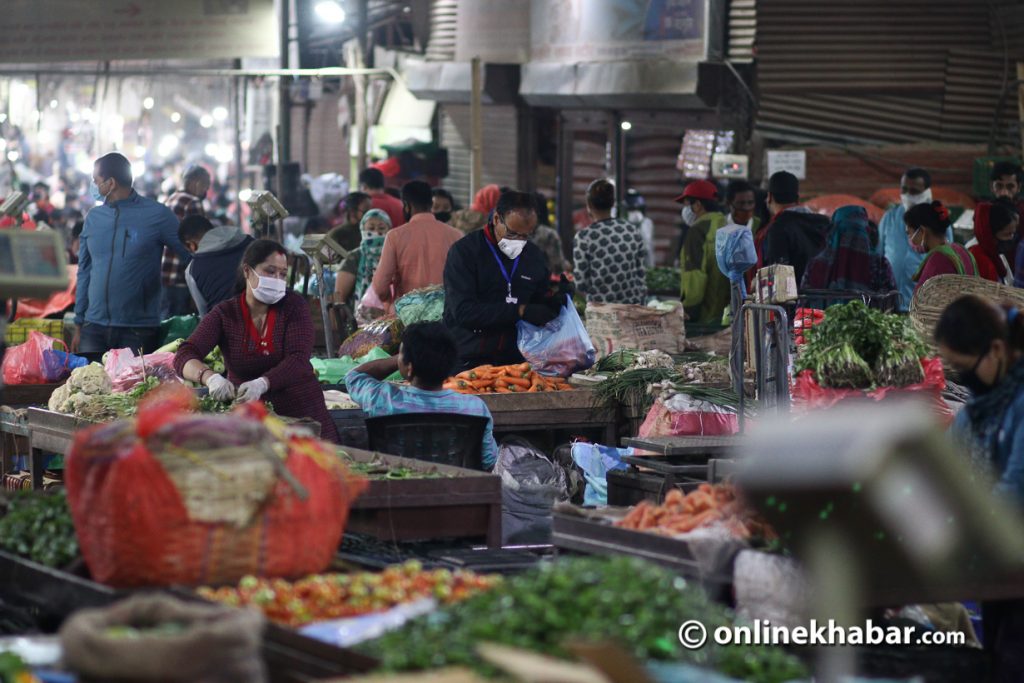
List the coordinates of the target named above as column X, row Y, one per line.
column 118, row 298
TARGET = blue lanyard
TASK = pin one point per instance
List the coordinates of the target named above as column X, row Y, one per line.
column 504, row 272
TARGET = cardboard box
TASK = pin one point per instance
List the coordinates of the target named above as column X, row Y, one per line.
column 776, row 285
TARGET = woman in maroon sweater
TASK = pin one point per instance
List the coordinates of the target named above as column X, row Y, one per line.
column 266, row 336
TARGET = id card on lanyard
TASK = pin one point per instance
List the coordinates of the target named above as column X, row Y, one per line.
column 509, row 299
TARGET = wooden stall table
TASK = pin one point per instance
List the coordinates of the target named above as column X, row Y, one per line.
column 49, row 432
column 21, row 395
column 13, row 426
column 515, row 413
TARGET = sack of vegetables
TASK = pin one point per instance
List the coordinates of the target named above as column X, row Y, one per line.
column 161, row 638
column 173, row 497
column 385, row 333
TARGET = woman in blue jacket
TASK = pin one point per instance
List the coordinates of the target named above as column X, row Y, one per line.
column 984, row 345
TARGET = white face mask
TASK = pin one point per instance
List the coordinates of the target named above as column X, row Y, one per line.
column 635, row 217
column 269, row 290
column 909, row 201
column 511, row 248
column 689, row 217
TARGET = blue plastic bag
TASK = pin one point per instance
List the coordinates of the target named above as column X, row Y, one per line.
column 57, row 365
column 597, row 461
column 735, row 253
column 559, row 348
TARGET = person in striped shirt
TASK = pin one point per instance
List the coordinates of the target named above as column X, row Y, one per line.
column 427, row 358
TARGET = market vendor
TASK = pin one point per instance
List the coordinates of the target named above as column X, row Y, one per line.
column 927, row 226
column 984, row 345
column 492, row 279
column 265, row 334
column 425, row 359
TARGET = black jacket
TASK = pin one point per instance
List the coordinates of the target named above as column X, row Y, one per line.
column 214, row 268
column 794, row 238
column 475, row 310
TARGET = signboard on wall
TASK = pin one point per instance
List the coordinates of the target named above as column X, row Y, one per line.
column 617, row 30
column 794, row 161
column 37, row 31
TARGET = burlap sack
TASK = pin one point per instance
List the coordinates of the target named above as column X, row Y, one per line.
column 623, row 326
column 219, row 644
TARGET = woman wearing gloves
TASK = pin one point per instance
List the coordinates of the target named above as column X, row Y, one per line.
column 266, row 336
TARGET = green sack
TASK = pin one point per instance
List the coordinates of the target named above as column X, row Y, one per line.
column 333, row 370
column 178, row 327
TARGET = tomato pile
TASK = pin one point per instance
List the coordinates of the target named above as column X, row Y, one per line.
column 323, row 597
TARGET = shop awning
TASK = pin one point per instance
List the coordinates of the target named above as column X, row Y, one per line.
column 642, row 84
column 450, row 82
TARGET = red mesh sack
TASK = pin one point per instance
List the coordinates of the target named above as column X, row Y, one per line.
column 175, row 498
column 808, row 395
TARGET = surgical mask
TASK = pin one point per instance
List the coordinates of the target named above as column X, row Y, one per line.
column 443, row 216
column 689, row 217
column 269, row 290
column 511, row 248
column 635, row 217
column 94, row 192
column 909, row 201
column 917, row 248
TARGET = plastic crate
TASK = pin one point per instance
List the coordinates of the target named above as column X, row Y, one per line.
column 17, row 332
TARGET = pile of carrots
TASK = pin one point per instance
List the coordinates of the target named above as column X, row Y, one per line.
column 707, row 505
column 504, row 379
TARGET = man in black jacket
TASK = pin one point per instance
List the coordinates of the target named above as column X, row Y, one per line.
column 212, row 274
column 492, row 279
column 795, row 234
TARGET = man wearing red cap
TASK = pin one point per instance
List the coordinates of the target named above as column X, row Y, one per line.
column 704, row 289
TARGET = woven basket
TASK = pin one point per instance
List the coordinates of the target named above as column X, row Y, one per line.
column 939, row 292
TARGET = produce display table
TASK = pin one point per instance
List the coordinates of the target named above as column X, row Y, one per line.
column 290, row 657
column 687, row 445
column 450, row 503
column 517, row 413
column 49, row 432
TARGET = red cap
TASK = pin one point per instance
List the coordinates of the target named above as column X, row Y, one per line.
column 699, row 189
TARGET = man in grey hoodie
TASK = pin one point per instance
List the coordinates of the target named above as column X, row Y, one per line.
column 212, row 275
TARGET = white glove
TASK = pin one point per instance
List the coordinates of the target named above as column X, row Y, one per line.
column 252, row 391
column 220, row 389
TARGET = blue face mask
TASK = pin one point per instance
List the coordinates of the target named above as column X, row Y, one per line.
column 94, row 192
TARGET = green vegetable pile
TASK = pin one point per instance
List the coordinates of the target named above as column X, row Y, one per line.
column 856, row 347
column 377, row 469
column 663, row 280
column 38, row 526
column 633, row 388
column 622, row 599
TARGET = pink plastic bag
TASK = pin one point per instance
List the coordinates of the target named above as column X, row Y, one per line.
column 125, row 369
column 808, row 395
column 685, row 416
column 27, row 363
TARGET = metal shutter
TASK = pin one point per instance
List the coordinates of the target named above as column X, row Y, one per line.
column 443, row 23
column 742, row 30
column 864, row 70
column 500, row 147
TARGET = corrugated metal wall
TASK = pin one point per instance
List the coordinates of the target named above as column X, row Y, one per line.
column 499, row 153
column 742, row 30
column 880, row 71
column 443, row 29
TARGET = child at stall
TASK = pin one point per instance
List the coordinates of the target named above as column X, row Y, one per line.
column 426, row 358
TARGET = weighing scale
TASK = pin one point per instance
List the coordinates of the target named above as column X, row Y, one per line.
column 265, row 210
column 322, row 250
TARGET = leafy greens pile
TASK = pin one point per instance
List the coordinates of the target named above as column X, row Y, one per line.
column 856, row 347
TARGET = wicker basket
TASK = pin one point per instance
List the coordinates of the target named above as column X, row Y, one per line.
column 939, row 292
